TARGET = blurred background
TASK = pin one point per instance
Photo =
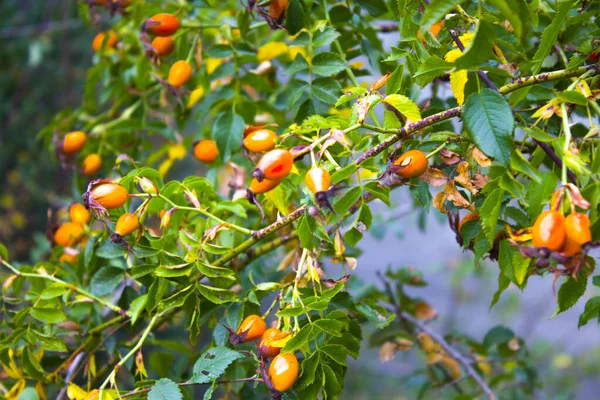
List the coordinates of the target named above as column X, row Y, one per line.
column 45, row 53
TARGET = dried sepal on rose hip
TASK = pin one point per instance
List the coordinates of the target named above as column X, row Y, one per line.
column 103, row 195
column 251, row 328
column 256, row 187
column 318, row 182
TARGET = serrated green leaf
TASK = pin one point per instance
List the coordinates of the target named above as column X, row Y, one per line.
column 435, row 11
column 217, row 295
column 294, row 17
column 165, row 389
column 489, row 213
column 592, row 311
column 48, row 343
column 212, row 364
column 550, row 34
column 489, row 121
column 347, row 200
column 570, row 292
column 227, row 130
column 48, row 315
column 325, row 37
column 329, row 326
column 327, row 90
column 106, row 280
column 404, row 105
column 302, row 337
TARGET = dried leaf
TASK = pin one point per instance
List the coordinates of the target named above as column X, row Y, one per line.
column 434, row 177
column 453, row 366
column 387, row 351
column 463, row 177
column 449, row 157
column 352, row 263
column 424, row 311
column 480, row 158
column 479, row 181
column 379, row 83
column 139, row 364
column 576, row 198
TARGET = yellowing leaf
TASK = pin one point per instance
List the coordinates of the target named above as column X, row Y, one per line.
column 548, row 110
column 521, row 235
column 405, row 106
column 177, row 152
column 434, row 176
column 453, row 366
column 293, row 51
column 463, row 178
column 458, row 79
column 212, row 64
column 424, row 311
column 342, row 112
column 15, row 391
column 196, row 95
column 357, row 65
column 583, row 88
column 481, row 158
column 74, row 392
column 164, row 167
column 271, row 50
column 39, row 389
column 11, row 369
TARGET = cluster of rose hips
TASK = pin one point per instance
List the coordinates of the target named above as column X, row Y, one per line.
column 73, row 143
column 283, row 370
column 562, row 238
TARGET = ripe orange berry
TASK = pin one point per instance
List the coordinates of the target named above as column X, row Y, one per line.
column 577, row 227
column 283, row 371
column 570, row 247
column 266, row 185
column 105, row 40
column 109, row 195
column 277, row 8
column 92, row 164
column 73, row 142
column 180, row 73
column 260, row 140
column 271, row 335
column 68, row 234
column 206, row 151
column 163, row 45
column 275, row 165
column 168, row 25
column 254, row 326
column 317, row 179
column 469, row 217
column 126, row 224
column 79, row 214
column 434, row 29
column 549, row 230
column 413, row 163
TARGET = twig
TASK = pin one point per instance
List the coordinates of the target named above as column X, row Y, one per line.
column 453, row 353
column 183, row 384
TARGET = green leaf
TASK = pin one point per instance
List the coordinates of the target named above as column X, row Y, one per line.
column 592, row 311
column 227, row 130
column 373, row 7
column 513, row 264
column 309, row 368
column 327, row 90
column 344, row 173
column 48, row 343
column 497, row 335
column 538, row 193
column 325, row 37
column 432, row 67
column 378, row 316
column 550, row 34
column 405, row 105
column 48, row 315
column 296, row 89
column 539, row 134
column 435, row 11
column 302, row 337
column 332, row 385
column 330, row 326
column 573, row 97
column 219, row 51
column 31, row 365
column 299, row 64
column 294, row 17
column 503, row 283
column 480, row 48
column 176, row 300
column 509, row 8
column 3, row 252
column 165, row 389
column 394, row 83
column 217, row 295
column 108, row 250
column 212, row 364
column 53, row 291
column 172, row 271
column 305, row 233
column 489, row 121
column 489, row 213
column 347, row 200
column 137, row 306
column 570, row 292
column 106, row 280
column 350, row 94
column 328, row 64
column 336, row 352
column 519, row 163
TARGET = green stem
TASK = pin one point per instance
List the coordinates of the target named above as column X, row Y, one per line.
column 193, row 47
column 70, row 286
column 567, row 130
column 198, row 210
column 437, row 150
column 322, row 139
column 129, row 355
